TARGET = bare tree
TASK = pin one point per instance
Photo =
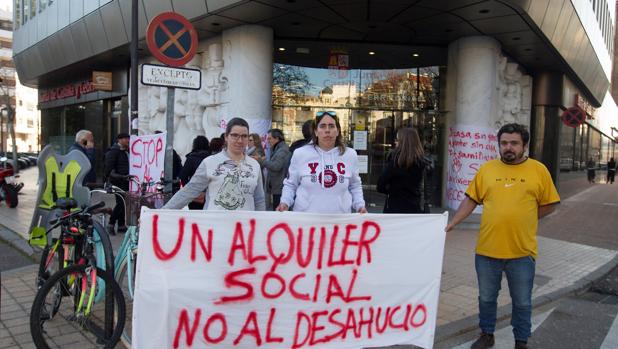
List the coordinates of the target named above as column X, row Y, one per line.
column 289, row 83
column 6, row 82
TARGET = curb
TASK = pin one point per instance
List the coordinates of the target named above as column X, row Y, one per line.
column 16, row 241
column 470, row 323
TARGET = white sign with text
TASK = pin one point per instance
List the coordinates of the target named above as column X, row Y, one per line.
column 147, row 158
column 211, row 279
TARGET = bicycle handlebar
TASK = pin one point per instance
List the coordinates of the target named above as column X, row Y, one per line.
column 55, row 222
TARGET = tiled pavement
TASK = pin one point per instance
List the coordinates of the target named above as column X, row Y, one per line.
column 562, row 266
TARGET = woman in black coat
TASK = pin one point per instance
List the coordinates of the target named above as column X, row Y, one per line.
column 199, row 152
column 402, row 178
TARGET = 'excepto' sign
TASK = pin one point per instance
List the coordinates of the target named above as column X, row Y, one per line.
column 159, row 75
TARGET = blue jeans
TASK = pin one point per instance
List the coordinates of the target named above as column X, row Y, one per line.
column 520, row 276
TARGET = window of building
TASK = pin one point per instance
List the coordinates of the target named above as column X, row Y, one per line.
column 17, row 11
column 32, row 8
column 42, row 5
column 377, row 102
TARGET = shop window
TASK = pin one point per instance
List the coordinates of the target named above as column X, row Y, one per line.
column 376, row 101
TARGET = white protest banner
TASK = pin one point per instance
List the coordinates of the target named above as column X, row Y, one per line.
column 147, row 158
column 286, row 280
column 468, row 148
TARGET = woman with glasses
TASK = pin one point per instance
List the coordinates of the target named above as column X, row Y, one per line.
column 232, row 180
column 323, row 175
column 402, row 178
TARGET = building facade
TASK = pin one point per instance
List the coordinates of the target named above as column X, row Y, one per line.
column 455, row 70
column 21, row 100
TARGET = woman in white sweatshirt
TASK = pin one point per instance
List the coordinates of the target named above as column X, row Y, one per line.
column 323, row 175
column 232, row 180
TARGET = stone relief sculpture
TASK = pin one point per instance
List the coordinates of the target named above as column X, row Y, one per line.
column 215, row 96
column 196, row 112
column 514, row 93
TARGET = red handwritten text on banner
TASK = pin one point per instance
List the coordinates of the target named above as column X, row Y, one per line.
column 277, row 280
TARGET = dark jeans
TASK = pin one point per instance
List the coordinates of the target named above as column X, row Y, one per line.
column 611, row 174
column 118, row 213
column 520, row 277
column 276, row 200
column 591, row 175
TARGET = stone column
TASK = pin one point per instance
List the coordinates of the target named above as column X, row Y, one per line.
column 248, row 66
column 471, row 104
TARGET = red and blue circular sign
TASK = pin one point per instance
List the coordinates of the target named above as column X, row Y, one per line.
column 573, row 116
column 171, row 39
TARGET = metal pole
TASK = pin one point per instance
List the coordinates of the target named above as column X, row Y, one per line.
column 169, row 140
column 134, row 66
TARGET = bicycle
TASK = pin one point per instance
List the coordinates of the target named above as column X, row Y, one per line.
column 63, row 246
column 80, row 282
column 126, row 257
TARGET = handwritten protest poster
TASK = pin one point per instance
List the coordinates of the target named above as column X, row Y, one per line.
column 286, row 280
column 468, row 148
column 147, row 158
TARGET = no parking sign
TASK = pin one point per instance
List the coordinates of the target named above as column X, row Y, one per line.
column 171, row 39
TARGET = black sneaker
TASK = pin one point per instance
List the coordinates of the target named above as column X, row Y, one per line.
column 521, row 345
column 122, row 229
column 486, row 340
column 111, row 229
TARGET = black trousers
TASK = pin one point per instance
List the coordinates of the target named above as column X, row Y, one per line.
column 118, row 213
column 610, row 176
column 276, row 201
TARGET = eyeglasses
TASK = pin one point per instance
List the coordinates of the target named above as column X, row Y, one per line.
column 328, row 112
column 236, row 136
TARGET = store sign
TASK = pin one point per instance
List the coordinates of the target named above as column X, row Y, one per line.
column 102, row 80
column 585, row 106
column 66, row 91
column 159, row 75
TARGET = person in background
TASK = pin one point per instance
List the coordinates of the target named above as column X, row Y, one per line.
column 307, row 132
column 276, row 165
column 402, row 178
column 255, row 148
column 117, row 172
column 84, row 142
column 231, row 180
column 515, row 192
column 591, row 169
column 611, row 171
column 176, row 164
column 199, row 151
column 216, row 145
column 323, row 175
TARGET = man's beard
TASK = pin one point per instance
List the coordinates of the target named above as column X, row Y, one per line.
column 511, row 157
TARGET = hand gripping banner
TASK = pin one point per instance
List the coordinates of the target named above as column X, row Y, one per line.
column 208, row 279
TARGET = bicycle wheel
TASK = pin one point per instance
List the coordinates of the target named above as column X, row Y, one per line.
column 127, row 285
column 79, row 321
column 48, row 267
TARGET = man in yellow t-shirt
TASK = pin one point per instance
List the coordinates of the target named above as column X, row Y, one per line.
column 515, row 192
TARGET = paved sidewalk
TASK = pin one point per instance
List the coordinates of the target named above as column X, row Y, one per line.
column 562, row 267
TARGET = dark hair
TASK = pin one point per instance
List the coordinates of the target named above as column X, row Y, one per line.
column 409, row 150
column 200, row 143
column 515, row 128
column 308, row 129
column 277, row 133
column 338, row 141
column 236, row 122
column 216, row 145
